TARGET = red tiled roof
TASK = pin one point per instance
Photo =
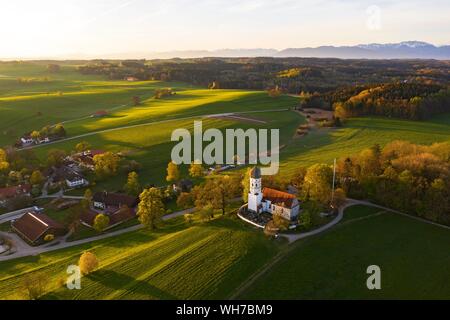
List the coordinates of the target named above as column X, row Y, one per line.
column 10, row 192
column 121, row 215
column 284, row 199
column 32, row 225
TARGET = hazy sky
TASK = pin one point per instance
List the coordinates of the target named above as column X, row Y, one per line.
column 60, row 27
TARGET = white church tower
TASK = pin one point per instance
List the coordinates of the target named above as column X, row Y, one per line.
column 255, row 193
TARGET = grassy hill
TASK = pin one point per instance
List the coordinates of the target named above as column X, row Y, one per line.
column 179, row 261
column 412, row 255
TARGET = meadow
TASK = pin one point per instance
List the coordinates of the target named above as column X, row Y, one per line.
column 413, row 257
column 210, row 260
column 178, row 261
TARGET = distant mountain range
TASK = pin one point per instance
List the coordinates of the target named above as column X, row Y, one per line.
column 402, row 50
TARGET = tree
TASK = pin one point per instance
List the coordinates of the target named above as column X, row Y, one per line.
column 35, row 135
column 4, row 164
column 53, row 68
column 49, row 237
column 136, row 100
column 195, row 170
column 215, row 192
column 35, row 285
column 55, row 157
column 83, row 146
column 270, row 229
column 173, row 174
column 305, row 219
column 37, row 178
column 246, row 184
column 280, row 222
column 318, row 180
column 101, row 222
column 88, row 262
column 132, row 187
column 151, row 207
column 73, row 219
column 185, row 200
column 88, row 197
column 206, row 213
column 339, row 198
column 106, row 164
column 58, row 130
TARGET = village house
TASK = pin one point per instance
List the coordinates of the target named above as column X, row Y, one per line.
column 121, row 215
column 85, row 159
column 110, row 202
column 26, row 140
column 14, row 191
column 184, row 185
column 270, row 200
column 69, row 176
column 118, row 207
column 33, row 227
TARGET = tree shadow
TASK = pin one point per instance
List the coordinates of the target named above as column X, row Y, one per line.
column 117, row 281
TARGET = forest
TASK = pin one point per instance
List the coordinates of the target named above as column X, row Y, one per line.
column 409, row 89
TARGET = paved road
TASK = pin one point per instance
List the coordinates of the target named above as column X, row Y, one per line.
column 143, row 125
column 23, row 249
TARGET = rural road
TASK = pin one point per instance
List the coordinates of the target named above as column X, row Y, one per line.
column 146, row 124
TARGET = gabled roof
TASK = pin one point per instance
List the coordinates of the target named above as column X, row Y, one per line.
column 280, row 198
column 115, row 199
column 33, row 225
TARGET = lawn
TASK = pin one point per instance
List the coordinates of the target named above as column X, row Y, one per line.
column 413, row 257
column 199, row 261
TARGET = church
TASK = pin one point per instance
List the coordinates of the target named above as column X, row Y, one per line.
column 270, row 200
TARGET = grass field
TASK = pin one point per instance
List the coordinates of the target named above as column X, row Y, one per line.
column 200, row 261
column 359, row 133
column 413, row 257
column 71, row 98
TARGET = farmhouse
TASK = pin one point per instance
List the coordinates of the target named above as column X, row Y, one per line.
column 184, row 185
column 70, row 177
column 111, row 202
column 26, row 140
column 86, row 158
column 11, row 192
column 270, row 200
column 115, row 218
column 33, row 227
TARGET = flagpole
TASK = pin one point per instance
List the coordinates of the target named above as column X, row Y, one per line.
column 334, row 179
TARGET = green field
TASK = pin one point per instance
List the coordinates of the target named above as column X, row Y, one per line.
column 179, row 261
column 413, row 257
column 210, row 260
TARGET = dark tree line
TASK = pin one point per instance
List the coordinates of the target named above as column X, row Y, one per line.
column 292, row 75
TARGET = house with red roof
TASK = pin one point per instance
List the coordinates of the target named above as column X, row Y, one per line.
column 33, row 227
column 14, row 191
